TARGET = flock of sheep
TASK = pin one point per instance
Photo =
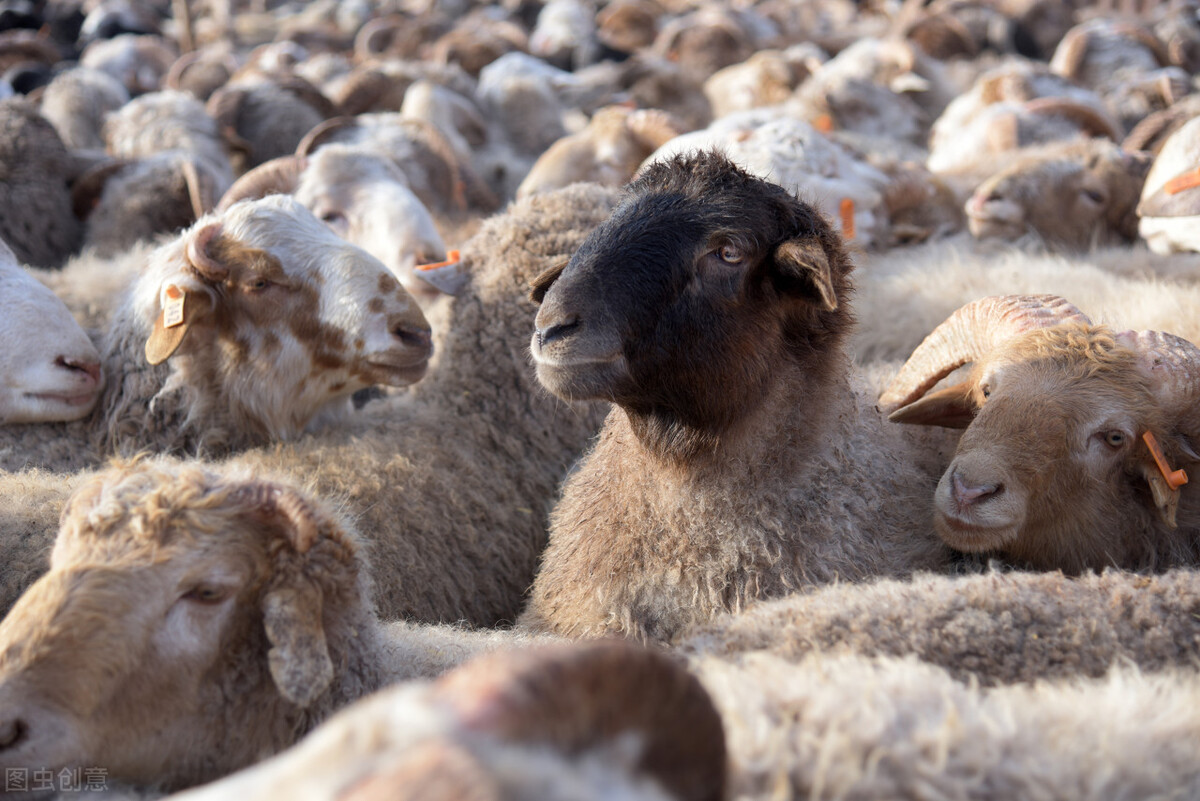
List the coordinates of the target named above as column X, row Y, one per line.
column 596, row 399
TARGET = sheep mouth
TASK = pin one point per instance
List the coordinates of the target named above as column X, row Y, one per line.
column 395, row 372
column 66, row 398
column 581, row 379
column 983, row 227
column 971, row 536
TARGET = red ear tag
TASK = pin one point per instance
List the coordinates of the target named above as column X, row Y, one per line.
column 173, row 310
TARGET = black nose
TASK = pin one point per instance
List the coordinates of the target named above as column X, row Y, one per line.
column 555, row 331
column 12, row 732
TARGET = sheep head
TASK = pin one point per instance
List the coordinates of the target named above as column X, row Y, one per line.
column 1052, row 470
column 267, row 309
column 680, row 306
column 51, row 370
column 189, row 624
column 1072, row 195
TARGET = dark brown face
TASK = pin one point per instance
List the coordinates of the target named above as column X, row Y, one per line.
column 681, row 305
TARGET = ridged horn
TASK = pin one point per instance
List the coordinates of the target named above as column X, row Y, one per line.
column 374, row 38
column 970, row 333
column 200, row 191
column 322, row 134
column 1172, row 364
column 276, row 177
column 1152, row 130
column 581, row 695
column 1091, row 119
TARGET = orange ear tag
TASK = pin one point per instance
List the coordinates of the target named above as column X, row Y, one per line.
column 824, row 123
column 452, row 257
column 173, row 309
column 1174, row 478
column 1187, row 180
column 847, row 210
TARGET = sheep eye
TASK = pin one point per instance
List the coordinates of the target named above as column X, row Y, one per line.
column 333, row 218
column 258, row 285
column 1114, row 439
column 730, row 255
column 205, row 595
column 1093, row 196
column 986, row 391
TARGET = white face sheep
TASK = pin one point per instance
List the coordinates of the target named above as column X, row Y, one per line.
column 50, row 369
column 711, row 308
column 1053, row 471
column 1073, row 195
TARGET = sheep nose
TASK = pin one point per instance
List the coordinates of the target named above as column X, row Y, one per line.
column 12, row 732
column 558, row 330
column 411, row 336
column 966, row 494
column 91, row 368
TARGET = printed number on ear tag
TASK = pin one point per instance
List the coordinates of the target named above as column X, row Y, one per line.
column 173, row 311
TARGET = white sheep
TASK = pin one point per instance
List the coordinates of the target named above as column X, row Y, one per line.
column 51, row 368
column 76, row 103
column 1170, row 205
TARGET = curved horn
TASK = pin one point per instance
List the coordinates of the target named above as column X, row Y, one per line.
column 1091, row 120
column 308, row 94
column 375, row 37
column 223, row 106
column 200, row 192
column 323, row 133
column 89, row 187
column 1152, row 130
column 197, row 254
column 278, row 176
column 1145, row 38
column 970, row 333
column 22, row 45
column 362, row 91
column 1171, row 364
column 1071, row 52
column 584, row 694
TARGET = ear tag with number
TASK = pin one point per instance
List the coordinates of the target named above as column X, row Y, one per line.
column 173, row 307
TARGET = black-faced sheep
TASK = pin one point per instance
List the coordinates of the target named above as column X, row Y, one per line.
column 712, row 308
column 51, row 369
column 236, row 617
column 1058, row 466
column 578, row 722
column 240, row 331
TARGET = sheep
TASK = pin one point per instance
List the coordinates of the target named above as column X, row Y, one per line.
column 36, row 219
column 708, row 39
column 237, row 617
column 450, row 483
column 766, row 78
column 575, row 721
column 365, row 199
column 51, row 368
column 1071, row 195
column 1168, row 208
column 76, row 102
column 274, row 307
column 852, row 728
column 138, row 61
column 264, row 116
column 608, row 151
column 790, row 152
column 741, row 462
column 991, row 629
column 1051, row 471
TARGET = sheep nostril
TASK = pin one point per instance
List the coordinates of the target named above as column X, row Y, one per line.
column 966, row 494
column 91, row 368
column 557, row 331
column 12, row 732
column 413, row 337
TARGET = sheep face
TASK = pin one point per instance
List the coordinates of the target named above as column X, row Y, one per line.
column 279, row 313
column 50, row 369
column 679, row 306
column 366, row 200
column 180, row 632
column 1051, row 470
column 1072, row 196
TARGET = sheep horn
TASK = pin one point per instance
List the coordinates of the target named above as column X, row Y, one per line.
column 1090, row 119
column 322, row 133
column 374, row 38
column 308, row 94
column 276, row 177
column 88, row 188
column 200, row 192
column 1171, row 364
column 970, row 333
column 174, row 78
column 198, row 257
column 1153, row 129
column 21, row 45
column 1071, row 52
column 1147, row 39
column 580, row 695
column 223, row 106
column 362, row 91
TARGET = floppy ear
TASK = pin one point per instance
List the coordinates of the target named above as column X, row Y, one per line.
column 182, row 303
column 952, row 407
column 292, row 608
column 802, row 268
column 540, row 285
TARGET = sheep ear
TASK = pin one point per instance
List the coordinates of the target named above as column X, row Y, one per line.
column 299, row 657
column 179, row 309
column 952, row 407
column 802, row 268
column 539, row 286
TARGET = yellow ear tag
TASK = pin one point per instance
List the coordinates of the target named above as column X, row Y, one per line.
column 173, row 308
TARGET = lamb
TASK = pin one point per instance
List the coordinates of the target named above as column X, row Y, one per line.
column 1071, row 195
column 36, row 219
column 1168, row 207
column 451, row 482
column 51, row 369
column 76, row 103
column 544, row 724
column 365, row 199
column 237, row 617
column 712, row 309
column 1059, row 466
column 274, row 307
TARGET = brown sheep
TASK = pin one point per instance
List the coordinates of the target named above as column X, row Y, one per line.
column 1052, row 471
column 193, row 622
column 712, row 308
